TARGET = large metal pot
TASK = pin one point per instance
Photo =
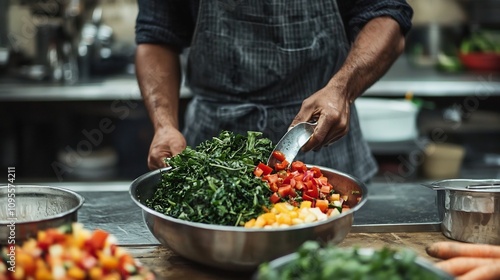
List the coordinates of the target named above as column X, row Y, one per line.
column 469, row 209
column 239, row 248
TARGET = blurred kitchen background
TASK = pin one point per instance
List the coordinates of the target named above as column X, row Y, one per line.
column 71, row 109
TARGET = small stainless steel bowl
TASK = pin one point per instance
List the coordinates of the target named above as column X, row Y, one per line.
column 26, row 209
column 469, row 209
column 239, row 248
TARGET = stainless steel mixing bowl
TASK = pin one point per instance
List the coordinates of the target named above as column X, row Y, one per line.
column 239, row 248
column 26, row 209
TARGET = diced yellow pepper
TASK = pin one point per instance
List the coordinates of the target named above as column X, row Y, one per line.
column 260, row 222
column 19, row 273
column 284, row 219
column 305, row 204
column 95, row 273
column 294, row 214
column 281, row 207
column 270, row 218
column 335, row 197
column 75, row 272
column 250, row 223
column 43, row 274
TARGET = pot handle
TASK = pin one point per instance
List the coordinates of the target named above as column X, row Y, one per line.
column 431, row 186
column 483, row 186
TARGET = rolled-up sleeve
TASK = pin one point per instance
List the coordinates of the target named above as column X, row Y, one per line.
column 169, row 22
column 357, row 13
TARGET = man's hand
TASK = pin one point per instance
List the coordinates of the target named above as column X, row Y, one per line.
column 159, row 75
column 167, row 142
column 375, row 49
column 331, row 109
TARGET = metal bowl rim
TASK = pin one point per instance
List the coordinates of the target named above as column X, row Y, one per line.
column 80, row 198
column 135, row 183
column 463, row 189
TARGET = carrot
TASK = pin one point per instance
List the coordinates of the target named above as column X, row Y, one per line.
column 485, row 272
column 449, row 249
column 460, row 265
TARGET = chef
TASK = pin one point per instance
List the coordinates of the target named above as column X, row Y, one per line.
column 266, row 65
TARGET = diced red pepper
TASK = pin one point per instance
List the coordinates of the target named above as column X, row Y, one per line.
column 299, row 185
column 309, row 184
column 284, row 191
column 288, row 178
column 323, row 181
column 271, row 178
column 266, row 169
column 275, row 198
column 279, row 155
column 312, row 192
column 258, row 172
column 298, row 166
column 316, row 171
column 281, row 165
column 273, row 187
column 307, row 197
column 325, row 189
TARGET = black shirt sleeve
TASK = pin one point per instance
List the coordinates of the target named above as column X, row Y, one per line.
column 356, row 13
column 169, row 22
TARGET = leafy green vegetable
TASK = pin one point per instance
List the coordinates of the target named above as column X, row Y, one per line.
column 214, row 183
column 329, row 262
column 481, row 41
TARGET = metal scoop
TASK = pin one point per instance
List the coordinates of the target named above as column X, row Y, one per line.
column 291, row 143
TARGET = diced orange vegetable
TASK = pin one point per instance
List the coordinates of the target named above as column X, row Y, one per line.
column 258, row 172
column 325, row 189
column 322, row 204
column 108, row 262
column 60, row 255
column 98, row 239
column 95, row 273
column 76, row 273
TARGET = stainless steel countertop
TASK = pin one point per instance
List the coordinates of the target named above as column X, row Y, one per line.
column 406, row 207
column 400, row 79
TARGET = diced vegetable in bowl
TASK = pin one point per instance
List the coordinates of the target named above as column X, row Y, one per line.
column 71, row 252
column 209, row 204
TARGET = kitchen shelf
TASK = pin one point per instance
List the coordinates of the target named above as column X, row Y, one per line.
column 401, row 79
column 398, row 147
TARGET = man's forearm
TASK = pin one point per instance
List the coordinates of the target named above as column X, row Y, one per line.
column 159, row 76
column 375, row 49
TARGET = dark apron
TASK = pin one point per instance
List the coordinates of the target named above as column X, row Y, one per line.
column 253, row 62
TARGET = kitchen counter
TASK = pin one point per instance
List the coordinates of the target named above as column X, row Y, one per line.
column 402, row 207
column 168, row 265
column 402, row 214
column 401, row 78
